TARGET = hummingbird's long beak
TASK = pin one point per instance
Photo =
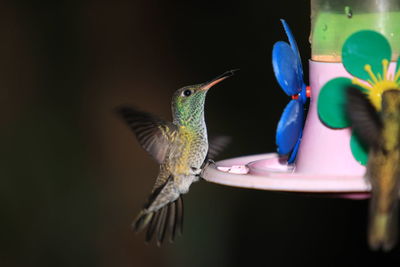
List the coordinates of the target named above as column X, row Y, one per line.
column 218, row 79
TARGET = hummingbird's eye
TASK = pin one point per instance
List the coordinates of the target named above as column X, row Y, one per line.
column 187, row 92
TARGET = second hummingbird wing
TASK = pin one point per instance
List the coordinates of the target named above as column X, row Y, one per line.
column 152, row 132
column 363, row 116
column 217, row 144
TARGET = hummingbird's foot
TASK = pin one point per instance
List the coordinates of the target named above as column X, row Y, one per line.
column 210, row 162
column 195, row 171
column 206, row 163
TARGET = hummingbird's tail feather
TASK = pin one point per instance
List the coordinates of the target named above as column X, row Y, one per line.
column 153, row 225
column 179, row 215
column 160, row 230
column 168, row 219
column 382, row 232
column 141, row 221
column 171, row 221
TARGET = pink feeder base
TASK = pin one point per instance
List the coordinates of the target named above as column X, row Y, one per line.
column 266, row 172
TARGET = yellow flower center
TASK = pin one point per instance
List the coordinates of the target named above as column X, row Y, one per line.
column 377, row 84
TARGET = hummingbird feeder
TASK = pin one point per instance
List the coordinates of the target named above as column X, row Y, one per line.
column 353, row 42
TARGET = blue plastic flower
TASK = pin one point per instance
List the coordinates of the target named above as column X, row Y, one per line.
column 288, row 70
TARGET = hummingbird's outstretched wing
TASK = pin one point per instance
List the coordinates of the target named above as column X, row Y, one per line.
column 151, row 131
column 159, row 221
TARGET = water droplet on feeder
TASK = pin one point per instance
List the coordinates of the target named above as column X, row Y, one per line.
column 348, row 12
column 324, row 27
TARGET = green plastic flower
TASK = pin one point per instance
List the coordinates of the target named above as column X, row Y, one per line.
column 366, row 56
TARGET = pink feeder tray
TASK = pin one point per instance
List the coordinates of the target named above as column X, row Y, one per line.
column 266, row 172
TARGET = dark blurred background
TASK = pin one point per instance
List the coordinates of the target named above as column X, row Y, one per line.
column 73, row 177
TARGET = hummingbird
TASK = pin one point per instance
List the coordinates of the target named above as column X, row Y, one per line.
column 181, row 148
column 380, row 132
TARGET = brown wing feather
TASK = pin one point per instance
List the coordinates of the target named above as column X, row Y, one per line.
column 363, row 116
column 151, row 131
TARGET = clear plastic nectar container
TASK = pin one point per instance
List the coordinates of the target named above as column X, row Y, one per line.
column 333, row 21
